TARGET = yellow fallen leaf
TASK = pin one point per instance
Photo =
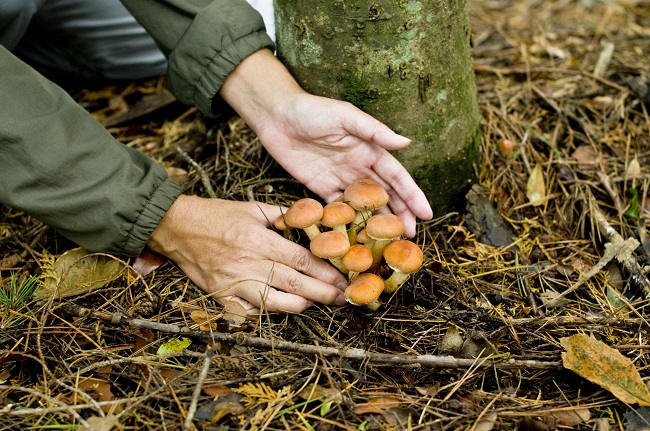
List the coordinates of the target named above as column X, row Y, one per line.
column 535, row 188
column 172, row 346
column 75, row 272
column 606, row 367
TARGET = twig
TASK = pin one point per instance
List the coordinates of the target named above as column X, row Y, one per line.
column 205, row 180
column 209, row 352
column 626, row 259
column 352, row 353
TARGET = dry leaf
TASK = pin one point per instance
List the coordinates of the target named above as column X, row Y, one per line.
column 205, row 320
column 487, row 422
column 604, row 366
column 233, row 311
column 535, row 188
column 105, row 423
column 178, row 175
column 217, row 391
column 75, row 272
column 98, row 389
column 315, row 392
column 452, row 342
column 147, row 262
column 550, row 301
column 377, row 405
column 569, row 418
column 637, row 420
column 586, row 157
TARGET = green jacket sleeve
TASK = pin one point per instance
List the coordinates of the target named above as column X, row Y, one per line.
column 204, row 40
column 60, row 165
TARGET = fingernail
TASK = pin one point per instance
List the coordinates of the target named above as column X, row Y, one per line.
column 340, row 300
column 310, row 304
column 342, row 285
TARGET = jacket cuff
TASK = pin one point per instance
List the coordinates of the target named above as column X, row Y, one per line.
column 197, row 68
column 162, row 198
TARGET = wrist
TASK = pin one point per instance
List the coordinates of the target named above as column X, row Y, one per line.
column 163, row 238
column 257, row 86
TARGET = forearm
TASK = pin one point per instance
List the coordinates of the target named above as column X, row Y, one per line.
column 61, row 166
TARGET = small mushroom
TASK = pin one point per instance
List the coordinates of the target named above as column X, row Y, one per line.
column 337, row 215
column 357, row 260
column 304, row 214
column 383, row 228
column 332, row 245
column 365, row 196
column 365, row 290
column 280, row 224
column 404, row 258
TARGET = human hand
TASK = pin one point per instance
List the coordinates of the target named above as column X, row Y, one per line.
column 324, row 143
column 226, row 248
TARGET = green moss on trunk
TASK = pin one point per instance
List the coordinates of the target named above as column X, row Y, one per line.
column 407, row 63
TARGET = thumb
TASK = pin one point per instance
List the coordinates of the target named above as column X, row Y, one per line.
column 368, row 128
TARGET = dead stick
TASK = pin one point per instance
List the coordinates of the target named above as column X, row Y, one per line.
column 352, row 353
column 628, row 261
column 204, row 177
column 209, row 352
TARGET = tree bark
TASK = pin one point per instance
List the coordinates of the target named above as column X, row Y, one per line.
column 407, row 63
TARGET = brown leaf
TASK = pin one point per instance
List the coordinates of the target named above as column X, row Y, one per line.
column 570, row 418
column 205, row 320
column 99, row 389
column 606, row 367
column 178, row 175
column 315, row 391
column 104, row 423
column 377, row 405
column 487, row 422
column 147, row 262
column 217, row 391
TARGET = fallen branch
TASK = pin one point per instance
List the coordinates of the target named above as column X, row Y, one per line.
column 626, row 259
column 352, row 353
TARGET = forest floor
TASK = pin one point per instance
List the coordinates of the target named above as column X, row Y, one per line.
column 548, row 331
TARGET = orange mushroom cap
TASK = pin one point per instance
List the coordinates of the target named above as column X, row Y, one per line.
column 304, row 213
column 336, row 214
column 384, row 226
column 358, row 258
column 364, row 289
column 330, row 245
column 403, row 256
column 366, row 194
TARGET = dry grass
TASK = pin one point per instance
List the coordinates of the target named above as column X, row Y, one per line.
column 539, row 86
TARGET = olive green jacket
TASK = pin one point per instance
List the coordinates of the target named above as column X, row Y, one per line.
column 61, row 166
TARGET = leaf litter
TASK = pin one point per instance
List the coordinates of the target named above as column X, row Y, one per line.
column 564, row 84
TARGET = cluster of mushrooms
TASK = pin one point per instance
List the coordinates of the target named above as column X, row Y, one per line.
column 361, row 243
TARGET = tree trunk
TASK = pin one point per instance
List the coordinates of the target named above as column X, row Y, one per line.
column 407, row 63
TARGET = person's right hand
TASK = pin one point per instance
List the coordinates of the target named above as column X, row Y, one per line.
column 226, row 248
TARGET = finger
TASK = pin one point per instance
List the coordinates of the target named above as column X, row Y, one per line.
column 291, row 281
column 368, row 128
column 265, row 213
column 270, row 299
column 396, row 178
column 298, row 258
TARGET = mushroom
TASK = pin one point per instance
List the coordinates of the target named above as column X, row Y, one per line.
column 280, row 224
column 337, row 215
column 331, row 245
column 404, row 258
column 383, row 228
column 365, row 196
column 357, row 259
column 363, row 238
column 304, row 214
column 365, row 290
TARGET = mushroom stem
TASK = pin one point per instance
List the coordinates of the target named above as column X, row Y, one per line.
column 311, row 231
column 395, row 281
column 357, row 224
